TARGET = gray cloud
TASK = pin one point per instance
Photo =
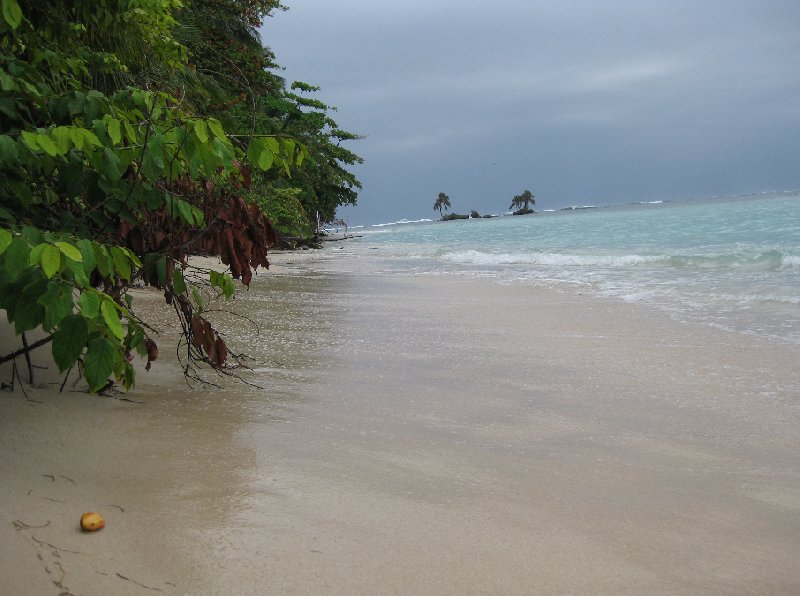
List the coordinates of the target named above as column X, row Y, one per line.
column 580, row 101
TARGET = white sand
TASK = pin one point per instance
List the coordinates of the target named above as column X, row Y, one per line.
column 419, row 435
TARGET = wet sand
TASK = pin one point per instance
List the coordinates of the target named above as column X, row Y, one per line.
column 419, row 435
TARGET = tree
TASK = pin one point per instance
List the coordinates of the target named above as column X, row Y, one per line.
column 522, row 201
column 240, row 88
column 443, row 202
column 110, row 177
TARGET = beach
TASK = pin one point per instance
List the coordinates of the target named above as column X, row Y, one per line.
column 417, row 434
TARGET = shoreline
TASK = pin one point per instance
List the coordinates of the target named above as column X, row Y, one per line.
column 420, row 434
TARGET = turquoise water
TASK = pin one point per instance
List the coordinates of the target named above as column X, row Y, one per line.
column 732, row 262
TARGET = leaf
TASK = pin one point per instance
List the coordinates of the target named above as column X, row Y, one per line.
column 99, row 362
column 111, row 165
column 197, row 216
column 111, row 317
column 288, row 147
column 16, row 257
column 51, row 260
column 184, row 211
column 31, row 140
column 5, row 239
column 198, row 299
column 201, row 131
column 121, row 263
column 114, row 131
column 12, row 13
column 69, row 251
column 61, row 137
column 272, row 144
column 29, row 314
column 265, row 159
column 105, row 264
column 224, row 153
column 161, row 271
column 254, row 149
column 87, row 252
column 178, row 283
column 69, row 341
column 47, row 144
column 78, row 273
column 57, row 303
column 8, row 148
column 215, row 127
column 89, row 303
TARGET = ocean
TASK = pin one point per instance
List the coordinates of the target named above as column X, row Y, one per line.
column 729, row 262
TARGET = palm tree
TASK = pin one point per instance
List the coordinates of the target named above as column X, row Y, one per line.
column 521, row 201
column 443, row 202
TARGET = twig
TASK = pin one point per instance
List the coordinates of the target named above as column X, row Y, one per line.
column 26, row 348
column 20, row 525
column 138, row 583
column 27, row 358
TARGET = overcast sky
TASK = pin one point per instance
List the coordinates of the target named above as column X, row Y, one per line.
column 580, row 101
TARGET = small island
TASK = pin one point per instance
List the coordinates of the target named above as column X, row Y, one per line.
column 520, row 204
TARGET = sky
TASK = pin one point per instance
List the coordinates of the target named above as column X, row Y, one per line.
column 583, row 102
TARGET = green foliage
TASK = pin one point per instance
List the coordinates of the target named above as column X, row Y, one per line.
column 105, row 176
column 442, row 204
column 227, row 56
column 521, row 201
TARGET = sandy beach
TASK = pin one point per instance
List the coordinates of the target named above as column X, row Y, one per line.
column 417, row 435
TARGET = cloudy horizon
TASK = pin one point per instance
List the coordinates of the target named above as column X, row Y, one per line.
column 580, row 102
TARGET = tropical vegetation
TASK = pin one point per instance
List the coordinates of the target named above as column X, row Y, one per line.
column 442, row 204
column 521, row 202
column 132, row 134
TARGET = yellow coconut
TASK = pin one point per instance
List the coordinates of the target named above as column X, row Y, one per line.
column 91, row 521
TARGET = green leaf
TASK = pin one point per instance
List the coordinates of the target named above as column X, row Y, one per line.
column 69, row 341
column 105, row 264
column 5, row 239
column 224, row 153
column 216, row 128
column 51, row 260
column 81, row 137
column 114, row 131
column 99, row 362
column 29, row 314
column 78, row 273
column 184, row 211
column 197, row 216
column 62, row 138
column 87, row 252
column 8, row 148
column 16, row 257
column 272, row 144
column 265, row 159
column 12, row 13
column 201, row 131
column 57, row 303
column 47, row 144
column 35, row 256
column 288, row 147
column 161, row 271
column 178, row 283
column 31, row 140
column 121, row 264
column 89, row 303
column 254, row 150
column 69, row 251
column 111, row 317
column 197, row 298
column 111, row 165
